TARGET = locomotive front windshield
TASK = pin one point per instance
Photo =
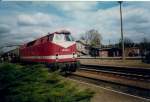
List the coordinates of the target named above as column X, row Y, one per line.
column 62, row 37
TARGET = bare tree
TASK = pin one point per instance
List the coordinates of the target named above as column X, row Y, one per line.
column 145, row 44
column 92, row 38
column 127, row 42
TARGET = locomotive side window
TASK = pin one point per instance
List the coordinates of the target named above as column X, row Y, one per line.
column 50, row 37
column 31, row 43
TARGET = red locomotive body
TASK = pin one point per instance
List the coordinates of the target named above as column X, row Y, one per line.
column 57, row 47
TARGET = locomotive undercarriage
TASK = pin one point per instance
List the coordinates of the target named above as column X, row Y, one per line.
column 64, row 67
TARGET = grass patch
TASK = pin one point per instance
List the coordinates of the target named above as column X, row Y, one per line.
column 35, row 84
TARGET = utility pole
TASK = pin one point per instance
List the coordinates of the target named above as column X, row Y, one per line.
column 122, row 38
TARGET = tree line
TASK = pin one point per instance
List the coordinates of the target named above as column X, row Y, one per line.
column 93, row 38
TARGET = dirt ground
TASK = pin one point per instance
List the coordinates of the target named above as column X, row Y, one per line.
column 111, row 62
column 105, row 95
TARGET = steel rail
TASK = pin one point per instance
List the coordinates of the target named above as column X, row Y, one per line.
column 129, row 90
column 129, row 75
column 139, row 73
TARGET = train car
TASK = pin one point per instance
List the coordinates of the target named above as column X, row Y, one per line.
column 56, row 49
column 10, row 56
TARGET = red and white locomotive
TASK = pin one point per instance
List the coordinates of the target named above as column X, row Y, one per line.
column 55, row 50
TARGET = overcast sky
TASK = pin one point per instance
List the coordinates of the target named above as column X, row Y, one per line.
column 21, row 22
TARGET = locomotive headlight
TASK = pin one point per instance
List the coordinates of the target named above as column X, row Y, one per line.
column 73, row 55
column 56, row 56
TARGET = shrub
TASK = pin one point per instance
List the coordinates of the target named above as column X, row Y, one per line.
column 35, row 84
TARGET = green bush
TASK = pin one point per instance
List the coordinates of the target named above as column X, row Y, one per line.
column 35, row 84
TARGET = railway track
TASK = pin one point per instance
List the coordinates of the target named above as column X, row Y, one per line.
column 133, row 81
column 115, row 87
column 131, row 73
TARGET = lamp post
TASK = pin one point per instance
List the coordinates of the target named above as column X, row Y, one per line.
column 122, row 38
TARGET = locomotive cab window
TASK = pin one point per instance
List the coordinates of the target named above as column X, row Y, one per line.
column 59, row 37
column 68, row 37
column 62, row 37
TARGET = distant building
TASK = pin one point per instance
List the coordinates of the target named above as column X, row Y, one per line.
column 94, row 51
column 103, row 53
column 82, row 48
column 132, row 52
column 110, row 52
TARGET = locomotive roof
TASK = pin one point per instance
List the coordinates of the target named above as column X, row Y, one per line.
column 57, row 32
column 61, row 32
